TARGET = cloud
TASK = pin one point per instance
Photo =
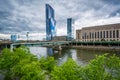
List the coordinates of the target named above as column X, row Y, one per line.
column 94, row 22
column 115, row 2
column 20, row 16
column 4, row 36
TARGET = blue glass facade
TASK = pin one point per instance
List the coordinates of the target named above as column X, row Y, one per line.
column 70, row 31
column 50, row 23
column 13, row 38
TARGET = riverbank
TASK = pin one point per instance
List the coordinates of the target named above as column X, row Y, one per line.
column 104, row 48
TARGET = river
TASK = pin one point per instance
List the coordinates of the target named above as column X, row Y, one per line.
column 81, row 56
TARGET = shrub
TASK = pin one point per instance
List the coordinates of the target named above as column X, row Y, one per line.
column 47, row 63
column 67, row 71
column 20, row 64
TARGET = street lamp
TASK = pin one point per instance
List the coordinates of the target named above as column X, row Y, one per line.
column 27, row 36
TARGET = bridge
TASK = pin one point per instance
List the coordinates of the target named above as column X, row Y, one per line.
column 42, row 44
column 63, row 43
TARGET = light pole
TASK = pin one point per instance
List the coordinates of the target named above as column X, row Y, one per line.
column 27, row 36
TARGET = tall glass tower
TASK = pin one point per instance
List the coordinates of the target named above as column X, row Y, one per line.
column 70, row 29
column 50, row 23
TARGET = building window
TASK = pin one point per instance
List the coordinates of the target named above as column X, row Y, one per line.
column 90, row 35
column 82, row 37
column 110, row 34
column 106, row 34
column 78, row 35
column 85, row 35
column 113, row 33
column 103, row 34
column 98, row 34
column 95, row 34
column 117, row 33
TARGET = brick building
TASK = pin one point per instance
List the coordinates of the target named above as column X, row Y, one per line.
column 109, row 32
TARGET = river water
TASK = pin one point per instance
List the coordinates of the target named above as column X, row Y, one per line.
column 81, row 56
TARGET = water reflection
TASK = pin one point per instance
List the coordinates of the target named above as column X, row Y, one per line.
column 75, row 57
column 39, row 51
column 73, row 54
column 82, row 57
column 60, row 56
column 50, row 51
column 1, row 77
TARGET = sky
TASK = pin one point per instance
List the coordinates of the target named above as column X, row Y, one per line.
column 22, row 16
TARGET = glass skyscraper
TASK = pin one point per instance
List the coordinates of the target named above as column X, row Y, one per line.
column 50, row 23
column 70, row 29
column 13, row 38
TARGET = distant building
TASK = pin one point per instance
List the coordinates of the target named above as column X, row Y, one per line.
column 109, row 32
column 60, row 38
column 13, row 38
column 50, row 23
column 70, row 29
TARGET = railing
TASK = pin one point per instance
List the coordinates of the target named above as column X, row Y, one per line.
column 42, row 44
column 66, row 43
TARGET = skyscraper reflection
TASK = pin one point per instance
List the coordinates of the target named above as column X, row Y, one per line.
column 50, row 51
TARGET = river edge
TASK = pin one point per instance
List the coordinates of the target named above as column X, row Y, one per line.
column 99, row 48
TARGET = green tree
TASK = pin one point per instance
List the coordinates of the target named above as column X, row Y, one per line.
column 113, row 67
column 28, row 70
column 47, row 63
column 67, row 71
column 20, row 64
column 7, row 61
column 95, row 70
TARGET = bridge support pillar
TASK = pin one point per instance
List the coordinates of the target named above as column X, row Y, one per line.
column 60, row 48
column 11, row 47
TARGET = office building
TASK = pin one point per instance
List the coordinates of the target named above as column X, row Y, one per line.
column 13, row 38
column 70, row 29
column 50, row 23
column 110, row 32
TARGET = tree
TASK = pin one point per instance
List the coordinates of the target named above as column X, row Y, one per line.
column 67, row 71
column 47, row 63
column 20, row 64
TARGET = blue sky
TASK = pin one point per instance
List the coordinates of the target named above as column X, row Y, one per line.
column 20, row 16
